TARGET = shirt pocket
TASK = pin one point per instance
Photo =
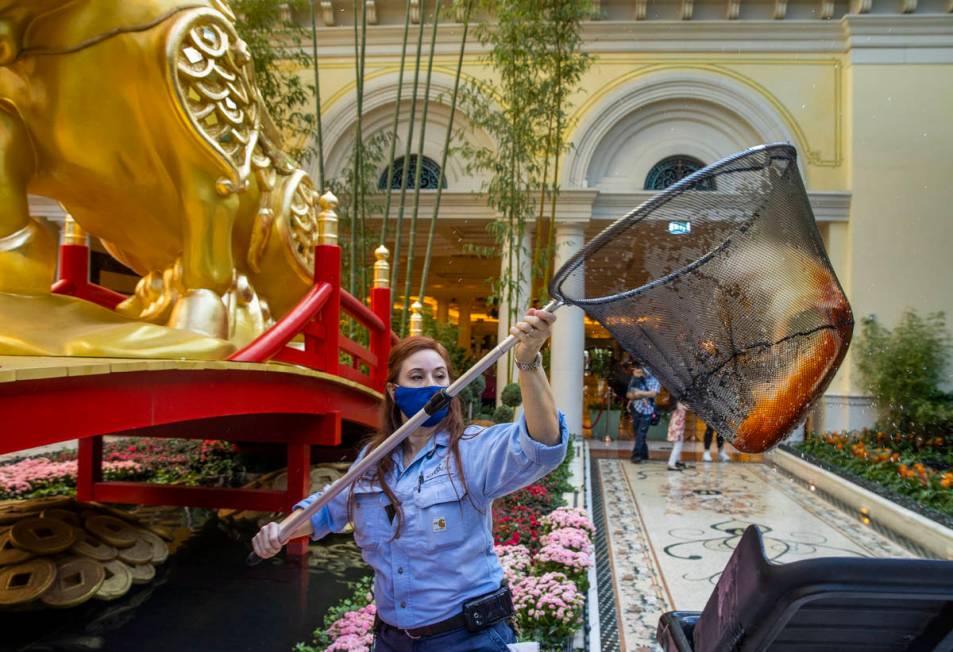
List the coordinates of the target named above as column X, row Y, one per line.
column 441, row 513
column 371, row 525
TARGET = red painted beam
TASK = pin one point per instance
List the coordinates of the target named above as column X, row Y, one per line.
column 38, row 412
column 356, row 308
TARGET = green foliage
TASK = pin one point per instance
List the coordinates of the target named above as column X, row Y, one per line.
column 916, row 467
column 511, row 395
column 600, row 362
column 361, row 597
column 352, row 189
column 535, row 50
column 903, row 369
column 503, row 414
column 285, row 95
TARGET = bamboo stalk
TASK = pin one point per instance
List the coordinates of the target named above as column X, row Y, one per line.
column 405, row 170
column 393, row 140
column 446, row 149
column 412, row 239
column 317, row 95
column 361, row 180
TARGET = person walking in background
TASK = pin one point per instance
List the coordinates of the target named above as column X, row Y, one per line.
column 722, row 455
column 676, row 435
column 643, row 388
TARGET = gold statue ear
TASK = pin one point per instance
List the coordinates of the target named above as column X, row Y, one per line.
column 223, row 6
column 9, row 42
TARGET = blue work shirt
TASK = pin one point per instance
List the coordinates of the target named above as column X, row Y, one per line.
column 444, row 555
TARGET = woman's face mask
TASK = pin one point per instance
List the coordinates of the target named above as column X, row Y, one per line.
column 422, row 375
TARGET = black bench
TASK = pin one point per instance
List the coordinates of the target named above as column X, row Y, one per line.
column 834, row 604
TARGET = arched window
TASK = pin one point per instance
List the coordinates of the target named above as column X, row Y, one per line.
column 429, row 174
column 673, row 169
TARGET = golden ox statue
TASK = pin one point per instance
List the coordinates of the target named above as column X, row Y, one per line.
column 142, row 117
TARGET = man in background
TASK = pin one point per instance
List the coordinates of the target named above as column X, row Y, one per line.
column 643, row 388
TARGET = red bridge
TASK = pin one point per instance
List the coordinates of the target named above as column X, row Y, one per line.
column 271, row 391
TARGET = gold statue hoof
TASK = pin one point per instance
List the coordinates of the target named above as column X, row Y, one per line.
column 201, row 311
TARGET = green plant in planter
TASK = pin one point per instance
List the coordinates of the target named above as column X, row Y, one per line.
column 503, row 414
column 903, row 369
column 512, row 396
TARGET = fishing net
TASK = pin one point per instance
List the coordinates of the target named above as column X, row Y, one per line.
column 721, row 285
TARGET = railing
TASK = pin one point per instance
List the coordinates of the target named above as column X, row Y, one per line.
column 316, row 317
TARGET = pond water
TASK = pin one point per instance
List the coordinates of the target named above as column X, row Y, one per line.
column 203, row 598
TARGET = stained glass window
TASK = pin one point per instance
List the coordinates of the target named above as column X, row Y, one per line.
column 429, row 174
column 675, row 168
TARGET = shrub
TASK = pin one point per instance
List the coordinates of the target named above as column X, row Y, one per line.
column 903, row 369
column 503, row 414
column 511, row 395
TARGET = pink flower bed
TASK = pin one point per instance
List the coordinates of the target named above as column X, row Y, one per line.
column 548, row 606
column 353, row 632
column 564, row 517
column 28, row 475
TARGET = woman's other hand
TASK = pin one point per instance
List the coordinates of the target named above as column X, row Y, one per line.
column 266, row 543
column 532, row 333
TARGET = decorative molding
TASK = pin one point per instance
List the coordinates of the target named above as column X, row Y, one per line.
column 861, row 6
column 687, row 9
column 908, row 6
column 642, row 5
column 827, row 9
column 327, row 13
column 914, row 38
column 899, row 39
column 371, row 10
column 763, row 117
column 734, row 9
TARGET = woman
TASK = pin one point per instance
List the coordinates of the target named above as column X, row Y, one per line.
column 423, row 519
column 676, row 435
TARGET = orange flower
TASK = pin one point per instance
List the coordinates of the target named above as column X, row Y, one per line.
column 947, row 480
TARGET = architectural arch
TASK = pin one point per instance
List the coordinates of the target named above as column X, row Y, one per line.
column 683, row 111
column 380, row 94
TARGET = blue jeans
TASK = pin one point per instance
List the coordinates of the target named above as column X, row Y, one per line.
column 491, row 639
column 640, row 424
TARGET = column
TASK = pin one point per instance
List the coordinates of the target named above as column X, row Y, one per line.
column 516, row 265
column 443, row 307
column 569, row 333
column 464, row 333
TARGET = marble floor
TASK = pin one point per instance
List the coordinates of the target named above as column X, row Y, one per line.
column 669, row 534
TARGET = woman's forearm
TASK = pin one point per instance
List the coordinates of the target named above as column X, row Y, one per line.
column 303, row 530
column 539, row 406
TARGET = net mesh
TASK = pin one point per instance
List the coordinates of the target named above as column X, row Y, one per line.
column 721, row 285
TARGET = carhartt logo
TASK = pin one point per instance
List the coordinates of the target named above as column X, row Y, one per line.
column 439, row 524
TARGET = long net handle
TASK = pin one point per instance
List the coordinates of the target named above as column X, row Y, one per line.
column 301, row 516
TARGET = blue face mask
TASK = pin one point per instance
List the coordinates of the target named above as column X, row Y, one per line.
column 411, row 400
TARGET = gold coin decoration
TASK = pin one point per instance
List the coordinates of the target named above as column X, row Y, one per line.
column 44, row 536
column 112, row 530
column 118, row 581
column 78, row 579
column 60, row 514
column 26, row 582
column 138, row 553
column 160, row 549
column 142, row 573
column 89, row 546
column 33, row 568
column 9, row 553
column 9, row 518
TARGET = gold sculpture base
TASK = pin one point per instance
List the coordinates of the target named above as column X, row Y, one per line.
column 54, row 325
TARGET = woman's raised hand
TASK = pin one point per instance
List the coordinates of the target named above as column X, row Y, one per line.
column 266, row 542
column 532, row 332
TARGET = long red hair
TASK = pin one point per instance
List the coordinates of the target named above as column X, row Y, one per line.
column 391, row 417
